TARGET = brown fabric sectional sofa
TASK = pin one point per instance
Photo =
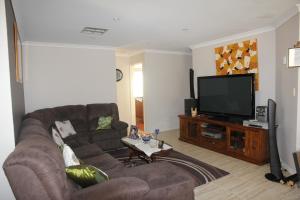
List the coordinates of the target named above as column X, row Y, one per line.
column 85, row 119
column 36, row 170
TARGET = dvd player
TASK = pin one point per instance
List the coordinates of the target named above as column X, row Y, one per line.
column 255, row 124
column 212, row 135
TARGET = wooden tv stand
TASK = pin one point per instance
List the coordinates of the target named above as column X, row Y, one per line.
column 246, row 143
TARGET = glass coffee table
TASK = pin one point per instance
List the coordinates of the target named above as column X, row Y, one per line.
column 147, row 151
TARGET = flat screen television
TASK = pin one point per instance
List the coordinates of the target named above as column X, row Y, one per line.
column 229, row 96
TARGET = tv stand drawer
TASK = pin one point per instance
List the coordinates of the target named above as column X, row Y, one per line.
column 214, row 143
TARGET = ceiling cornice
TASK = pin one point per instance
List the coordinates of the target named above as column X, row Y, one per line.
column 67, row 45
column 166, row 52
column 82, row 46
column 152, row 51
column 233, row 37
column 129, row 54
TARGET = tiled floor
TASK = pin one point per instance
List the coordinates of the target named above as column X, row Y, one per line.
column 245, row 181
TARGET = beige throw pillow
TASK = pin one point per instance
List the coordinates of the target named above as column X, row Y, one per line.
column 57, row 139
column 69, row 156
column 65, row 128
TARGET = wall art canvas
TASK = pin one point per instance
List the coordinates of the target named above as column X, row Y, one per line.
column 238, row 58
column 18, row 54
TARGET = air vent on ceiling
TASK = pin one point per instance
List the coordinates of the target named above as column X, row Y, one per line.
column 94, row 31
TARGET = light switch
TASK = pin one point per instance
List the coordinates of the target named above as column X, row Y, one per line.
column 294, row 92
column 284, row 60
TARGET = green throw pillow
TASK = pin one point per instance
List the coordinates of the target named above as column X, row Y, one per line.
column 104, row 123
column 86, row 175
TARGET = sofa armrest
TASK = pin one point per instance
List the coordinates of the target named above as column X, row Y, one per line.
column 119, row 125
column 125, row 188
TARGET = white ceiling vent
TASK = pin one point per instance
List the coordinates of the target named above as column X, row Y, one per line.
column 94, row 31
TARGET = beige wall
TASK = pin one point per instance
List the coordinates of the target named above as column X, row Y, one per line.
column 286, row 80
column 204, row 64
column 56, row 76
column 166, row 85
column 123, row 89
column 136, row 59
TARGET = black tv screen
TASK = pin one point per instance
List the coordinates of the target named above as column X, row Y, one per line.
column 230, row 95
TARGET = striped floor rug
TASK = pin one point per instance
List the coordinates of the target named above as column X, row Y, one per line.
column 200, row 171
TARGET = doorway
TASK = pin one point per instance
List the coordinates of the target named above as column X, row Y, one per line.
column 137, row 95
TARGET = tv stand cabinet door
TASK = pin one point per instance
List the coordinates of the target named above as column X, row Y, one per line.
column 256, row 148
column 189, row 129
column 183, row 128
column 193, row 129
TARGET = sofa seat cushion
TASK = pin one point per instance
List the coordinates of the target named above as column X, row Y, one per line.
column 104, row 162
column 104, row 134
column 127, row 188
column 165, row 180
column 87, row 151
column 107, row 139
column 77, row 140
column 157, row 175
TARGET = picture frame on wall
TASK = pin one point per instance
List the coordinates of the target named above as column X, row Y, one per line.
column 294, row 57
column 18, row 54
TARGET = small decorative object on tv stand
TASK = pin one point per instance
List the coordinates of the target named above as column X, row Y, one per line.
column 194, row 112
column 242, row 142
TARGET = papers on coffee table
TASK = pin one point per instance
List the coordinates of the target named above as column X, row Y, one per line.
column 148, row 148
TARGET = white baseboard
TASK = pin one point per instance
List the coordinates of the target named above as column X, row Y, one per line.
column 290, row 169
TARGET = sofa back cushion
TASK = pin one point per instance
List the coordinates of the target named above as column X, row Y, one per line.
column 94, row 111
column 31, row 127
column 46, row 116
column 77, row 114
column 36, row 170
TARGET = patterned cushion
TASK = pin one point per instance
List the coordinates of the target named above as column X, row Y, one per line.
column 86, row 175
column 104, row 123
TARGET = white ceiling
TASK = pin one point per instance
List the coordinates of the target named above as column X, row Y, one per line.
column 145, row 24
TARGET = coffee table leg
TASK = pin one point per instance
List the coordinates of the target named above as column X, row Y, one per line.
column 131, row 154
column 153, row 158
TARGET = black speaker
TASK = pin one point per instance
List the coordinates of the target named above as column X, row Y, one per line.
column 275, row 165
column 188, row 104
column 192, row 90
